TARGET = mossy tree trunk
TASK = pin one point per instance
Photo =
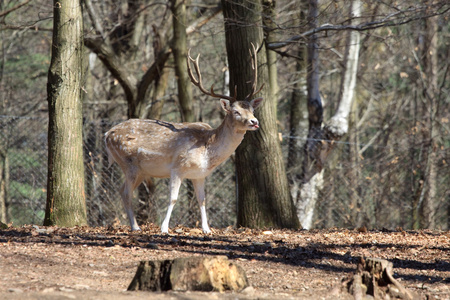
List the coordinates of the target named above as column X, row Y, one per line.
column 66, row 205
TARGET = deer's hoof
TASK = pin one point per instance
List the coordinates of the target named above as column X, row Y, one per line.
column 164, row 230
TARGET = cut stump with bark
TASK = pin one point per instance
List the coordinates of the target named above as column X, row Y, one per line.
column 374, row 277
column 189, row 274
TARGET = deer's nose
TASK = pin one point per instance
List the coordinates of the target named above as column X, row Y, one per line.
column 254, row 122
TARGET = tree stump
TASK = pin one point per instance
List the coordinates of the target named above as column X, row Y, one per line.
column 374, row 277
column 189, row 274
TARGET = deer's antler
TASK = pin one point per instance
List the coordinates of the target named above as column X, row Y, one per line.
column 198, row 82
column 255, row 74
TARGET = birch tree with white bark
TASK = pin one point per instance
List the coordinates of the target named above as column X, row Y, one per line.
column 322, row 137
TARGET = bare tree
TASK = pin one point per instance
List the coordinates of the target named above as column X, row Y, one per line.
column 113, row 53
column 4, row 185
column 429, row 56
column 263, row 193
column 179, row 47
column 66, row 204
column 298, row 114
column 321, row 138
column 117, row 47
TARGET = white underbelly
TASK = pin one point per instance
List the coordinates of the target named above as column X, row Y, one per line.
column 196, row 173
column 156, row 168
column 194, row 166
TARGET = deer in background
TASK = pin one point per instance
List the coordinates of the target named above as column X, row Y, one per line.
column 154, row 148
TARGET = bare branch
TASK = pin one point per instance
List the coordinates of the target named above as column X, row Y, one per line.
column 107, row 56
column 154, row 71
column 95, row 19
column 204, row 19
column 22, row 27
column 6, row 12
column 406, row 16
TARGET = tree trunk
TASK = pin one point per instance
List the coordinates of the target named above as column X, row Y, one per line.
column 416, row 179
column 4, row 186
column 158, row 97
column 66, row 204
column 161, row 81
column 269, row 15
column 298, row 117
column 179, row 47
column 321, row 139
column 357, row 209
column 263, row 193
column 431, row 95
column 312, row 177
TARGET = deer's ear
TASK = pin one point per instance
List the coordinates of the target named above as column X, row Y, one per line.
column 225, row 105
column 256, row 102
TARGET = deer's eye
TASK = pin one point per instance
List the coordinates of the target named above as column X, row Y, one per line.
column 236, row 113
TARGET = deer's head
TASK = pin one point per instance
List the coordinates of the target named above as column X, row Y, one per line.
column 240, row 113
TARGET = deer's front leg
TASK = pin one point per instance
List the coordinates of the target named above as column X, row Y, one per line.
column 199, row 186
column 175, row 183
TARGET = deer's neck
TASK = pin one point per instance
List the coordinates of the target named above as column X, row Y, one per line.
column 224, row 141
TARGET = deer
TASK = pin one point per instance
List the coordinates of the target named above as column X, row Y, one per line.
column 145, row 148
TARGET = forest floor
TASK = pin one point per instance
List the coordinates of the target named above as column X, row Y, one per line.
column 99, row 263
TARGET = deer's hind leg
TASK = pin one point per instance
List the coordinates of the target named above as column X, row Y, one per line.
column 175, row 183
column 132, row 181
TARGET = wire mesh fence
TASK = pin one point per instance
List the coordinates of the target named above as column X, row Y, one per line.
column 379, row 188
column 23, row 154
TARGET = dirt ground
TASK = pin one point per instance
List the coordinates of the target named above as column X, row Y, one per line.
column 99, row 263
